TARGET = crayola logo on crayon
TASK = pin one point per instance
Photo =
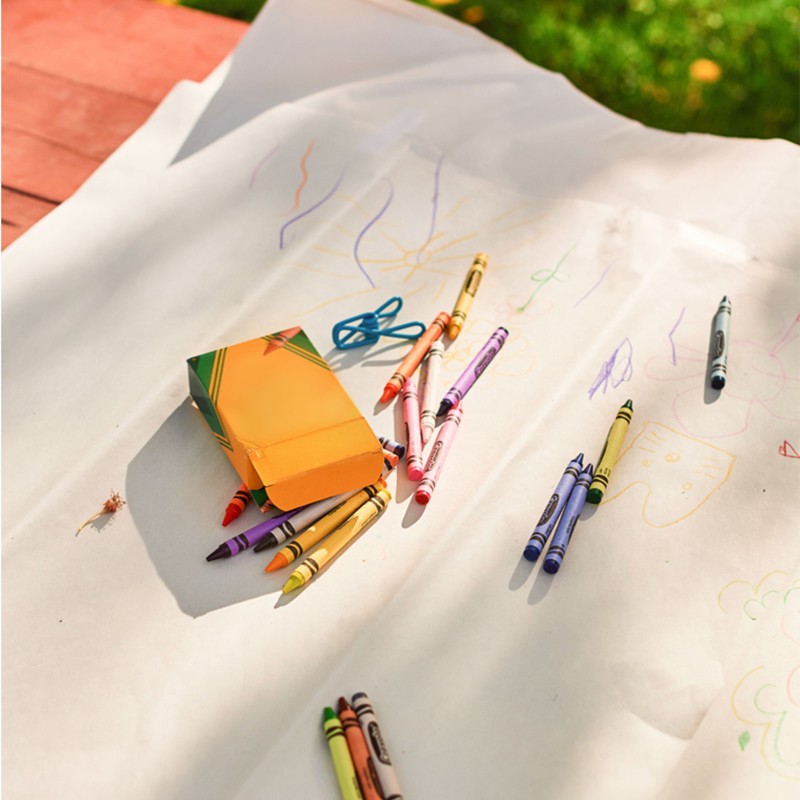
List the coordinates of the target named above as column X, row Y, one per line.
column 484, row 362
column 548, row 511
column 437, row 448
column 473, row 282
column 377, row 742
column 719, row 343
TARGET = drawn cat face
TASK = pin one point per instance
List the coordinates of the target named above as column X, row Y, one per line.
column 680, row 473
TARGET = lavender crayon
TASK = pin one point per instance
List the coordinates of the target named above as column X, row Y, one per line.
column 558, row 547
column 555, row 505
column 474, row 369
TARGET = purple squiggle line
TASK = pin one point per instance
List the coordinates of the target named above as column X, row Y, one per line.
column 435, row 201
column 367, row 227
column 669, row 336
column 595, row 286
column 606, row 373
column 312, row 208
column 261, row 163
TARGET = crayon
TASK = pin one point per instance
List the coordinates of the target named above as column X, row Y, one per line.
column 474, row 369
column 250, row 537
column 558, row 547
column 433, row 370
column 605, row 464
column 322, row 527
column 415, row 356
column 437, row 456
column 555, row 505
column 719, row 344
column 310, row 514
column 280, row 339
column 340, row 755
column 377, row 746
column 392, row 446
column 414, row 462
column 359, row 752
column 237, row 504
column 338, row 541
column 464, row 302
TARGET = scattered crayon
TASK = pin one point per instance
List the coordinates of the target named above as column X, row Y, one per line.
column 555, row 505
column 338, row 541
column 473, row 371
column 558, row 547
column 605, row 464
column 719, row 344
column 278, row 340
column 340, row 755
column 237, row 504
column 250, row 537
column 359, row 752
column 415, row 356
column 430, row 392
column 414, row 461
column 377, row 746
column 437, row 455
column 321, row 528
column 464, row 302
column 392, row 446
column 310, row 514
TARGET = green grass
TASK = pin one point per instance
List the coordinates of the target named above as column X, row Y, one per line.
column 728, row 67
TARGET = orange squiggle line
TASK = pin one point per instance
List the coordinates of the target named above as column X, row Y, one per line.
column 304, row 172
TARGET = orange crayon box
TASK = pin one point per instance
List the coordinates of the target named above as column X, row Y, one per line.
column 288, row 426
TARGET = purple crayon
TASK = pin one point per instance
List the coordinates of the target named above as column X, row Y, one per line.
column 467, row 379
column 250, row 537
column 558, row 547
column 555, row 505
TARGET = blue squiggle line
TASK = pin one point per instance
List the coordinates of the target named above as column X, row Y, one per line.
column 600, row 280
column 669, row 335
column 312, row 208
column 367, row 227
column 435, row 201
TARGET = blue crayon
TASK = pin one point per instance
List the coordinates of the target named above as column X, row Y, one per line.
column 558, row 547
column 555, row 505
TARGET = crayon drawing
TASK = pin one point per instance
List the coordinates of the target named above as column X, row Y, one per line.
column 303, row 177
column 615, row 371
column 544, row 276
column 763, row 374
column 599, row 281
column 678, row 473
column 788, row 450
column 767, row 696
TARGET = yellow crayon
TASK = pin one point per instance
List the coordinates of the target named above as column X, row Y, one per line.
column 464, row 302
column 338, row 541
column 614, row 440
column 321, row 528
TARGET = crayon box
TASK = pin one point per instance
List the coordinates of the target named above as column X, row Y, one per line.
column 283, row 419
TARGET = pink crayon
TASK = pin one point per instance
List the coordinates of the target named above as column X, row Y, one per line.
column 438, row 454
column 414, row 460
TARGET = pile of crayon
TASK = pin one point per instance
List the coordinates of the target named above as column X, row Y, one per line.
column 578, row 485
column 422, row 411
column 332, row 525
column 358, row 750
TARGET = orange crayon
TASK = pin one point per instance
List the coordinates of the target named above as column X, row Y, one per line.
column 359, row 752
column 415, row 356
column 237, row 504
column 277, row 340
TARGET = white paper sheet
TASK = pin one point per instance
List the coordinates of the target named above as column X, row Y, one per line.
column 349, row 152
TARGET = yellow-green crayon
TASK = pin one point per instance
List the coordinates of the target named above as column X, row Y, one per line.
column 320, row 529
column 464, row 302
column 338, row 541
column 610, row 454
column 340, row 755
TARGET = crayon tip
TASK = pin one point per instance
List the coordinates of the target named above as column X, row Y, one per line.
column 268, row 541
column 388, row 393
column 279, row 561
column 342, row 705
column 579, row 458
column 594, row 496
column 422, row 497
column 531, row 553
column 453, row 330
column 295, row 582
column 231, row 513
column 328, row 714
column 444, row 407
column 628, row 404
column 551, row 566
column 223, row 551
column 718, row 382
